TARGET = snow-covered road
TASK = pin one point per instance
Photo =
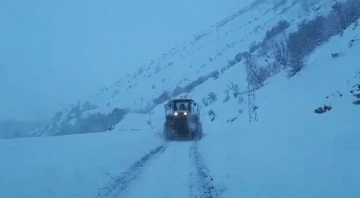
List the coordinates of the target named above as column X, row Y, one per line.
column 166, row 175
column 175, row 169
column 250, row 163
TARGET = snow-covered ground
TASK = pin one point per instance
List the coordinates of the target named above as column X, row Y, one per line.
column 290, row 152
column 68, row 166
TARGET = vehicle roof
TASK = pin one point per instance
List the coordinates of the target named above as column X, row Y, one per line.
column 182, row 99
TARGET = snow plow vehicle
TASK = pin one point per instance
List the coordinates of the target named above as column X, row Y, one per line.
column 182, row 120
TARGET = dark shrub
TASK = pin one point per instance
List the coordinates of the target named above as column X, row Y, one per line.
column 215, row 74
column 211, row 97
column 324, row 109
column 162, row 98
column 253, row 47
column 296, row 65
column 227, row 96
column 212, row 115
column 278, row 28
column 177, row 91
column 309, row 36
column 234, row 88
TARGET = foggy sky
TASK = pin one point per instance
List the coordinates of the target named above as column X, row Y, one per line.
column 56, row 52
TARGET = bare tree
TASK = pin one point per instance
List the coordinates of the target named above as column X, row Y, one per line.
column 211, row 97
column 264, row 48
column 234, row 88
column 275, row 68
column 280, row 53
column 253, row 70
column 296, row 65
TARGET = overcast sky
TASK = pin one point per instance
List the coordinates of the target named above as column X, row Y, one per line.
column 55, row 52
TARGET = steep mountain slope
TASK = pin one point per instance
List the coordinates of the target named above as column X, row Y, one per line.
column 205, row 57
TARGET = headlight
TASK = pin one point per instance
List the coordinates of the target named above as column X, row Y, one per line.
column 175, row 113
column 185, row 113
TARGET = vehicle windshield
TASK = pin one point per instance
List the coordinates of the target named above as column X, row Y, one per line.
column 182, row 106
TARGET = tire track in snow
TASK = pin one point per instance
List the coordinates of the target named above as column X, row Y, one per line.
column 121, row 182
column 166, row 176
column 201, row 181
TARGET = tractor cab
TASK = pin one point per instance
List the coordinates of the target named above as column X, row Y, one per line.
column 181, row 107
column 182, row 119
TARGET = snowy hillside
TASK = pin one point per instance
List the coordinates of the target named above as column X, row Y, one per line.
column 207, row 56
column 305, row 143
